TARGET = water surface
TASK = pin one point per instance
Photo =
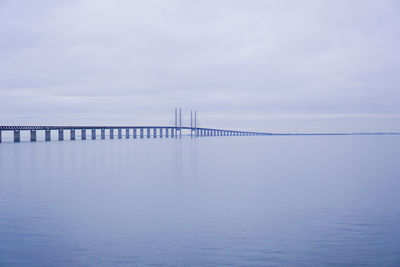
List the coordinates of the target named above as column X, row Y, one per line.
column 275, row 200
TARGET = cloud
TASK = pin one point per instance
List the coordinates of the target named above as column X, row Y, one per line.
column 253, row 63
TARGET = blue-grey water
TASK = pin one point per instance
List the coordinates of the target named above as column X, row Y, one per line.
column 248, row 201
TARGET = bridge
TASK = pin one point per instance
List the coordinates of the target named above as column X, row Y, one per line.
column 130, row 130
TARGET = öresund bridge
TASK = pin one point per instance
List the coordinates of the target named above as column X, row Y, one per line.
column 136, row 131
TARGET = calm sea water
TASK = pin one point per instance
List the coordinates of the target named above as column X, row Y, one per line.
column 270, row 201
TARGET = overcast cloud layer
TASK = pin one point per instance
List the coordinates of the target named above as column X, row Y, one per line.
column 291, row 66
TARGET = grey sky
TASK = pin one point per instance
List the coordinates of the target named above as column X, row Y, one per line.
column 265, row 65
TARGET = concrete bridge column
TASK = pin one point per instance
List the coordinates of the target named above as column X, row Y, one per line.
column 111, row 133
column 166, row 132
column 83, row 134
column 33, row 135
column 47, row 135
column 119, row 133
column 141, row 132
column 134, row 133
column 60, row 134
column 160, row 132
column 154, row 133
column 17, row 136
column 148, row 132
column 127, row 133
column 103, row 133
column 0, row 136
column 72, row 134
column 93, row 134
column 172, row 132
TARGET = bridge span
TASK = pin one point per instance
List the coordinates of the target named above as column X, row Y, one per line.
column 134, row 131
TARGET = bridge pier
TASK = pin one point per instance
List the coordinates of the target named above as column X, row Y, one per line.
column 93, row 134
column 160, row 132
column 141, row 132
column 111, row 133
column 154, row 133
column 103, row 133
column 33, row 135
column 0, row 136
column 17, row 136
column 148, row 132
column 47, row 135
column 83, row 136
column 134, row 133
column 60, row 135
column 166, row 132
column 119, row 133
column 127, row 133
column 72, row 134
